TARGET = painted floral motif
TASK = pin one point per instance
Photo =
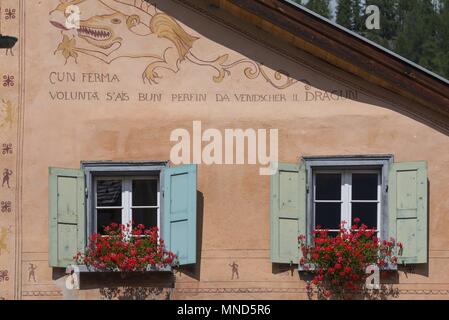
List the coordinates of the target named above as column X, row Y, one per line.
column 6, row 206
column 10, row 14
column 4, row 275
column 8, row 80
column 7, row 148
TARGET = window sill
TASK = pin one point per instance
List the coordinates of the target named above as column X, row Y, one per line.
column 89, row 269
column 311, row 268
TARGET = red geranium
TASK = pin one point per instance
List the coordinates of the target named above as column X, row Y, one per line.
column 123, row 248
column 341, row 271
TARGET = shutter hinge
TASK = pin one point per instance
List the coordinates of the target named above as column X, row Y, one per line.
column 386, row 188
column 307, row 188
column 86, row 193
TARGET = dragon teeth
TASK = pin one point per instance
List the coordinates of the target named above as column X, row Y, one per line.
column 98, row 33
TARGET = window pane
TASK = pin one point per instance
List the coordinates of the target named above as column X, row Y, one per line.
column 327, row 215
column 366, row 212
column 147, row 217
column 145, row 192
column 109, row 193
column 107, row 216
column 364, row 186
column 328, row 186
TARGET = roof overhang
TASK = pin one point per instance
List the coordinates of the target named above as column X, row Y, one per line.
column 343, row 49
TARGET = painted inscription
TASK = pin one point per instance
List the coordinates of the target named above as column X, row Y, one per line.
column 120, row 34
column 84, row 77
column 91, row 80
column 333, row 95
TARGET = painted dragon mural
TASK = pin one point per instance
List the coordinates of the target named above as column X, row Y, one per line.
column 116, row 29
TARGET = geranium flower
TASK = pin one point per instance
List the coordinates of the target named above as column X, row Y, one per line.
column 118, row 251
column 341, row 268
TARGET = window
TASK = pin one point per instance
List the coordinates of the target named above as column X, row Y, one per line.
column 83, row 201
column 386, row 195
column 124, row 200
column 343, row 195
column 344, row 188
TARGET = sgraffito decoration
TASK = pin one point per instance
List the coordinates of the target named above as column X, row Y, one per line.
column 4, row 276
column 32, row 272
column 8, row 80
column 10, row 14
column 130, row 23
column 7, row 173
column 6, row 149
column 6, row 207
column 235, row 270
column 7, row 42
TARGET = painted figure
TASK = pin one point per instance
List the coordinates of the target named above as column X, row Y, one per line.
column 235, row 270
column 32, row 272
column 6, row 175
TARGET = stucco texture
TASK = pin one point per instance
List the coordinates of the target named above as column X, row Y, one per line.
column 321, row 111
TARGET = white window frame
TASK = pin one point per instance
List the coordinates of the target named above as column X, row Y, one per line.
column 381, row 162
column 126, row 205
column 94, row 169
column 346, row 200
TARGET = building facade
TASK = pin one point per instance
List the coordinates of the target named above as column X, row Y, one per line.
column 99, row 98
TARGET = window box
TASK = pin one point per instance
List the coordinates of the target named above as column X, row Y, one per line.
column 307, row 267
column 90, row 269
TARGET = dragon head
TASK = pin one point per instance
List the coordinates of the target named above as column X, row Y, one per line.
column 99, row 30
column 115, row 28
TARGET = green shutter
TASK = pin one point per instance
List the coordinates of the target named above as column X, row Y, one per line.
column 408, row 209
column 66, row 215
column 288, row 212
column 179, row 212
